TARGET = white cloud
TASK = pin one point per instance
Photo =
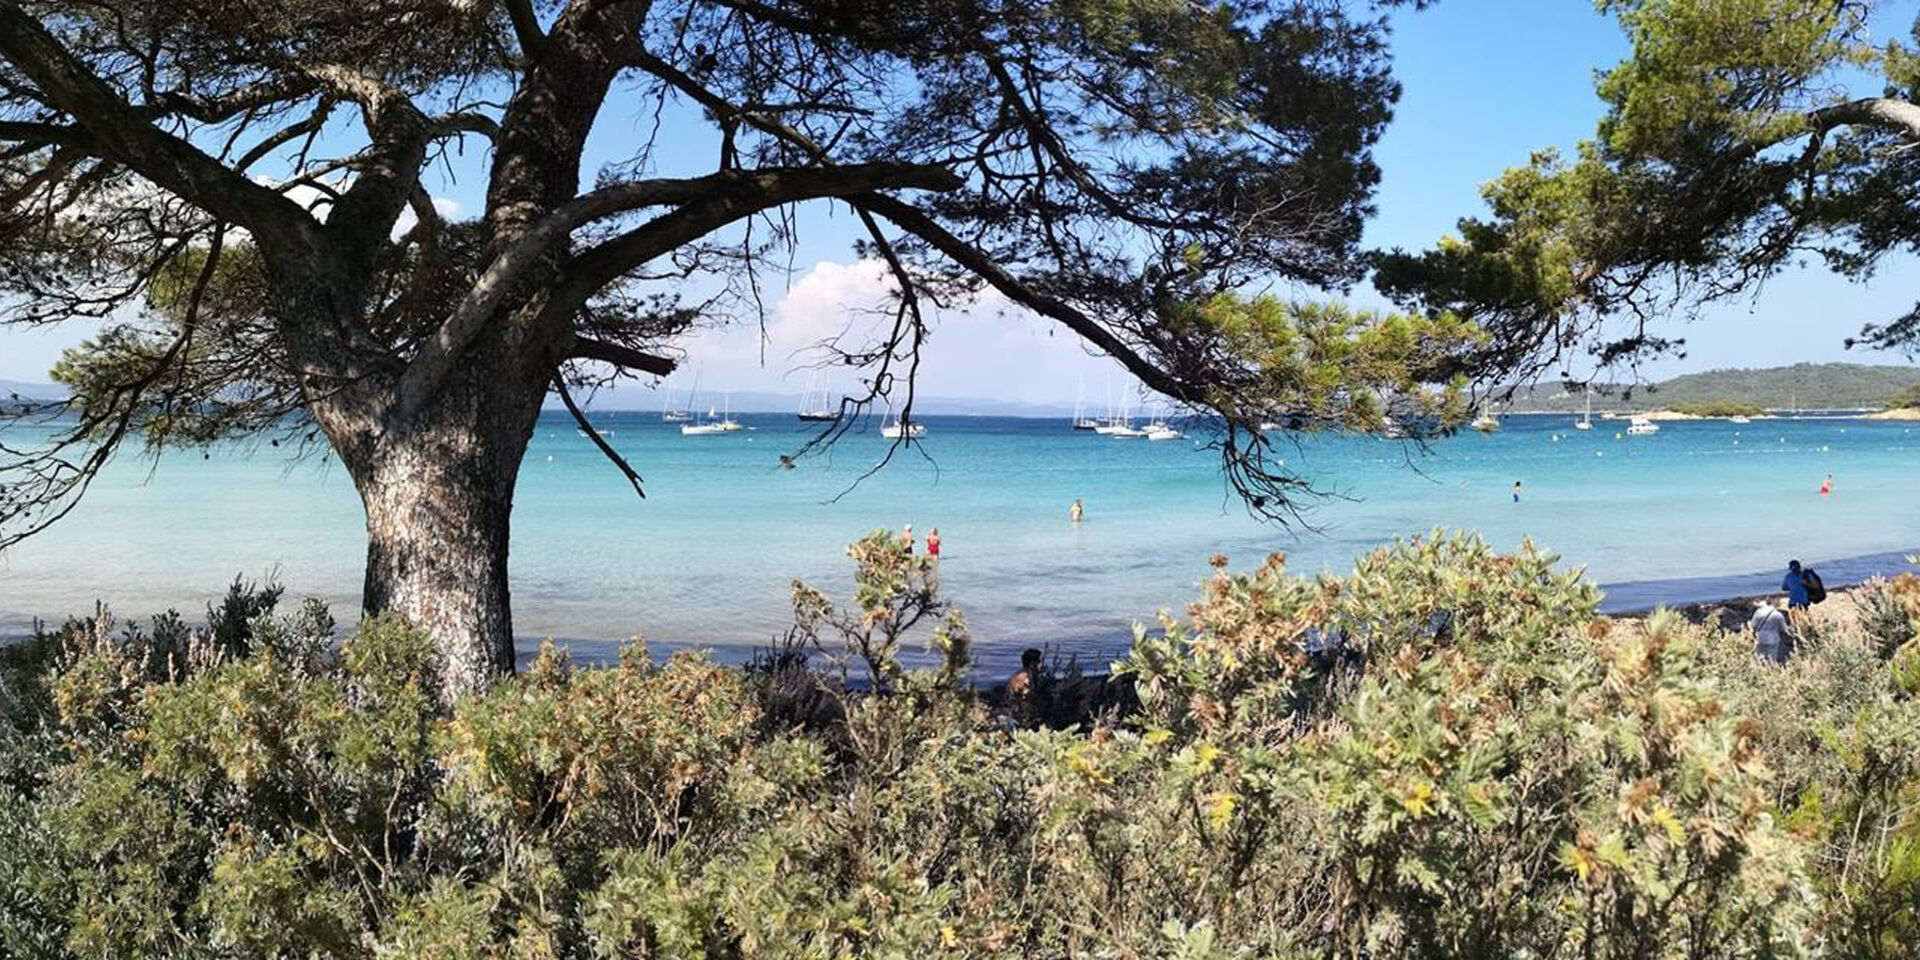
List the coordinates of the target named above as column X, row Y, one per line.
column 447, row 207
column 987, row 348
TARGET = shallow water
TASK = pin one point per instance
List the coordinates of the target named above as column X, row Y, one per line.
column 1699, row 510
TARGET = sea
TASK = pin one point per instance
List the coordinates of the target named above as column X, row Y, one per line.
column 1698, row 511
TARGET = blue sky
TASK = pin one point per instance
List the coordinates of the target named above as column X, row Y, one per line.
column 1486, row 82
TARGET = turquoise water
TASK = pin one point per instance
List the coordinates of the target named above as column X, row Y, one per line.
column 708, row 558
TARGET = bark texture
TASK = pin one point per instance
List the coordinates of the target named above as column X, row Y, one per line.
column 438, row 490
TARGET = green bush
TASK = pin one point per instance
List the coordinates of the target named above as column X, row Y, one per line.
column 1448, row 753
column 1723, row 408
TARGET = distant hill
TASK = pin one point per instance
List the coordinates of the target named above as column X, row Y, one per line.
column 1807, row 386
column 31, row 391
column 16, row 395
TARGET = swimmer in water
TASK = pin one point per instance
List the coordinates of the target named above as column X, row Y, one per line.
column 1516, row 491
column 1075, row 512
column 1826, row 486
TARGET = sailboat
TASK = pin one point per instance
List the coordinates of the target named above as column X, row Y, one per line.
column 667, row 413
column 1158, row 429
column 1486, row 422
column 818, row 410
column 1121, row 427
column 1586, row 422
column 727, row 423
column 710, row 425
column 903, row 428
column 1080, row 420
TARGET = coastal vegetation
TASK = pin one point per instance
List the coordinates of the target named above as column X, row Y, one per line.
column 241, row 198
column 1909, row 400
column 1447, row 752
column 1806, row 386
column 1719, row 409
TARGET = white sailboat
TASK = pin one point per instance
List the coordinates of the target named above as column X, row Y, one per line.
column 898, row 429
column 711, row 425
column 1080, row 420
column 1121, row 427
column 1486, row 422
column 1586, row 422
column 1159, row 429
column 667, row 413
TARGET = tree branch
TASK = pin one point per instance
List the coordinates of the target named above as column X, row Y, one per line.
column 1885, row 113
column 907, row 218
column 57, row 134
column 713, row 202
column 464, row 122
column 117, row 129
column 526, row 27
column 386, row 172
column 585, row 348
column 586, row 427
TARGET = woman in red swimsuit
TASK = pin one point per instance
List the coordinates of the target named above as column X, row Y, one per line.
column 933, row 543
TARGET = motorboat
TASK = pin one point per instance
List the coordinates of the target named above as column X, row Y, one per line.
column 1640, row 426
column 904, row 429
column 1740, row 419
column 1160, row 431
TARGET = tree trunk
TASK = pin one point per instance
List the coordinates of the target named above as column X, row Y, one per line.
column 438, row 492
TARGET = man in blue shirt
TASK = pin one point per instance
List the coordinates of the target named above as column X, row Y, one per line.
column 1795, row 587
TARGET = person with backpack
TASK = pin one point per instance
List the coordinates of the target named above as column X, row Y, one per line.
column 1795, row 587
column 1802, row 585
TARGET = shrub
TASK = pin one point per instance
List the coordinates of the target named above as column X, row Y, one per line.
column 1446, row 753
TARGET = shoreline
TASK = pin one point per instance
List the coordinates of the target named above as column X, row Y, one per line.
column 1728, row 598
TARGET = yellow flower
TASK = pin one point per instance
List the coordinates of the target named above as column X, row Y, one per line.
column 1418, row 799
column 1220, row 806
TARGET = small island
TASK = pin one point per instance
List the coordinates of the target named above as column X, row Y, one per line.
column 1709, row 410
